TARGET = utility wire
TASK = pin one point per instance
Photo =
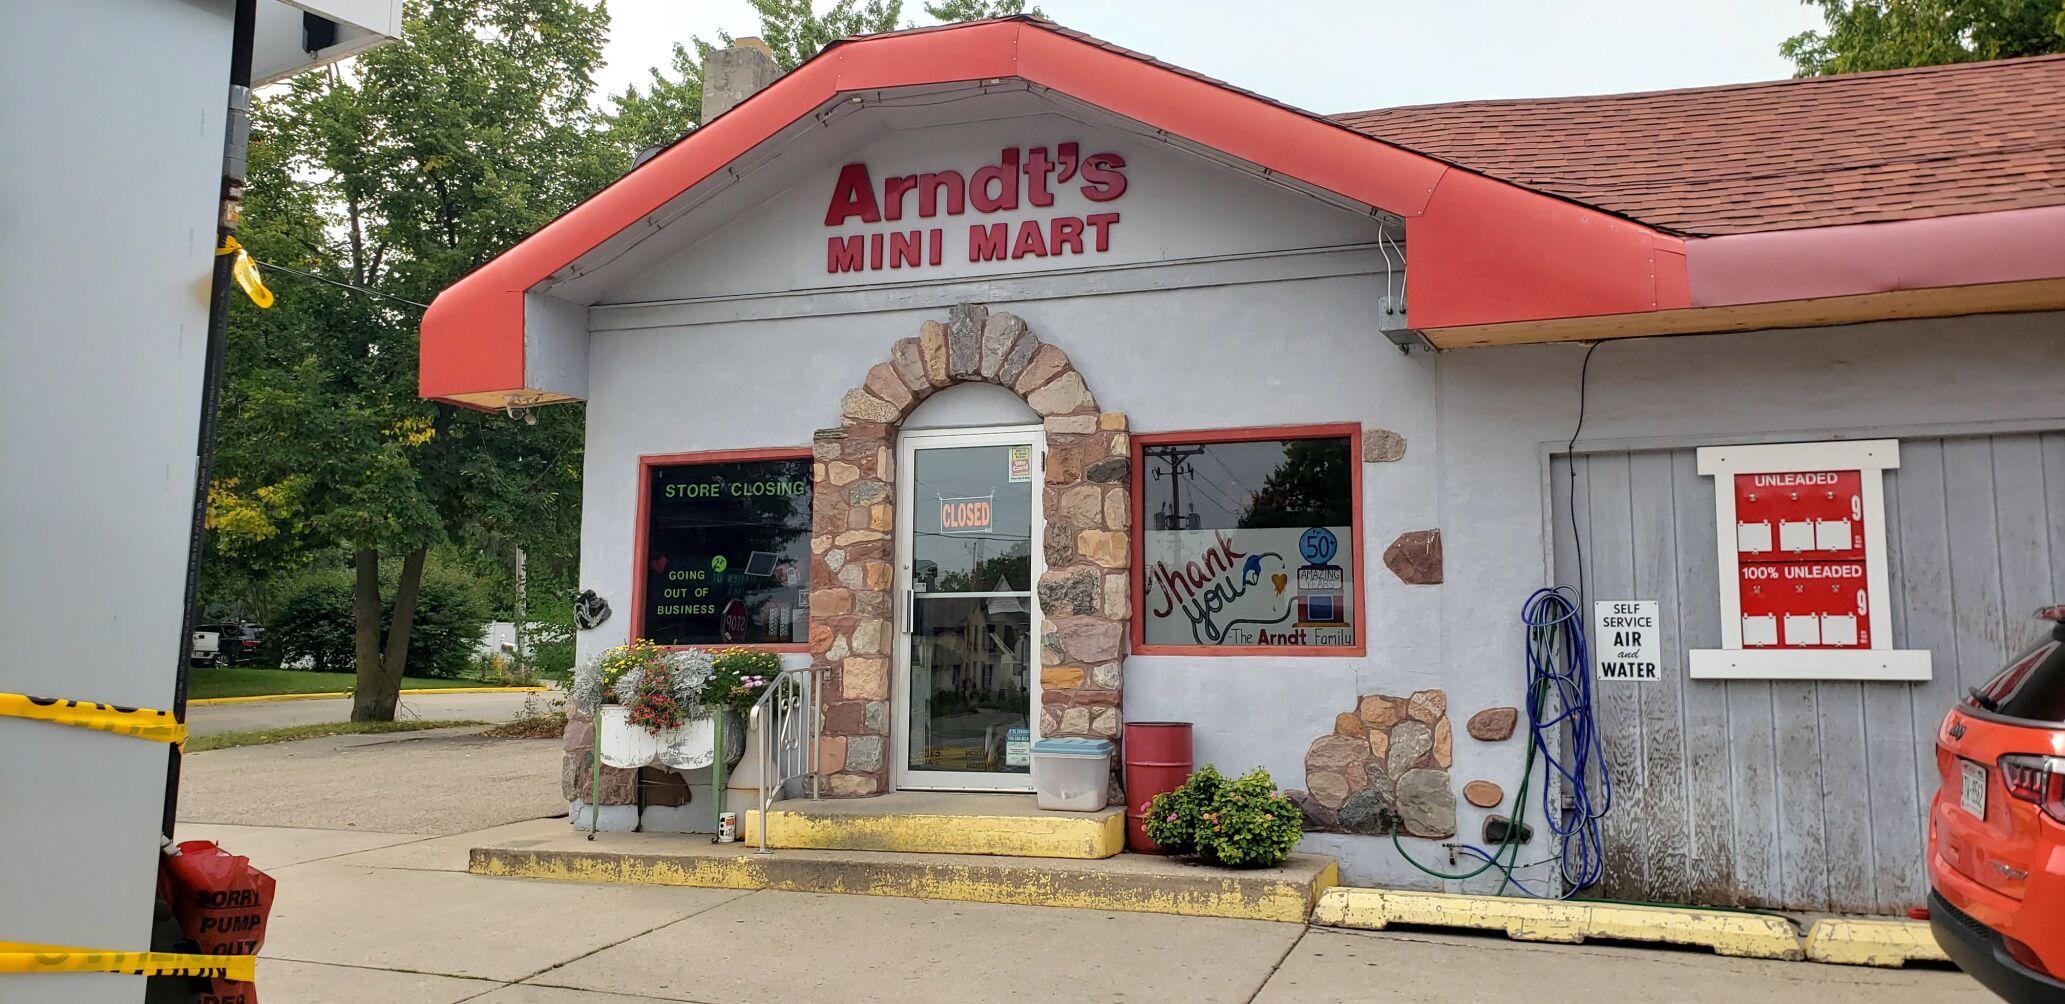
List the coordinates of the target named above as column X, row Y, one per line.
column 343, row 285
column 1577, row 539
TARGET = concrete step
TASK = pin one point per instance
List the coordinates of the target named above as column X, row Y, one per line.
column 922, row 822
column 1128, row 882
column 1727, row 932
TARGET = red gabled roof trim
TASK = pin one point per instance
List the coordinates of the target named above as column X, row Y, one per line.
column 1484, row 251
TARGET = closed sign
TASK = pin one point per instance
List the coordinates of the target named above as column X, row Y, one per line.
column 965, row 515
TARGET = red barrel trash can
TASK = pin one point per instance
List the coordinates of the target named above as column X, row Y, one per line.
column 1157, row 760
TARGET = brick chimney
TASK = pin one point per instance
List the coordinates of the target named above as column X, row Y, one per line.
column 732, row 75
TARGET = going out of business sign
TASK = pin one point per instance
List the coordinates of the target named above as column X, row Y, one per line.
column 725, row 553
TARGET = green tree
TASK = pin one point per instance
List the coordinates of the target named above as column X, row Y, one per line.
column 667, row 108
column 1310, row 487
column 949, row 11
column 401, row 173
column 795, row 33
column 671, row 103
column 1891, row 34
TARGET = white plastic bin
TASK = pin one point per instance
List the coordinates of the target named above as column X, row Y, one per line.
column 1071, row 775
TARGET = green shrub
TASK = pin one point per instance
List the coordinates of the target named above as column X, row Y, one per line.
column 1174, row 817
column 550, row 647
column 451, row 615
column 315, row 620
column 1240, row 824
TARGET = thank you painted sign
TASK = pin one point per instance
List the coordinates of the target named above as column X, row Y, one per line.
column 1279, row 586
column 1005, row 210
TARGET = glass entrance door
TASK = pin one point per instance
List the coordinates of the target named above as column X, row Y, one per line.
column 968, row 553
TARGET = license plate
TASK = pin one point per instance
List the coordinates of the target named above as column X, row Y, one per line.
column 1972, row 790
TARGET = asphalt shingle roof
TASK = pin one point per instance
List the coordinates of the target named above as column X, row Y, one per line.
column 1788, row 154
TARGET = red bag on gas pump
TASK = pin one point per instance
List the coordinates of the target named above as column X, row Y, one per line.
column 222, row 904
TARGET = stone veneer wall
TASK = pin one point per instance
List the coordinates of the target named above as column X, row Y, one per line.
column 1086, row 501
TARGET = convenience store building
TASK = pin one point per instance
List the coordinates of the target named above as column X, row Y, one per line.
column 1026, row 385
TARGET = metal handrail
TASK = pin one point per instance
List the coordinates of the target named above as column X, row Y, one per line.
column 789, row 725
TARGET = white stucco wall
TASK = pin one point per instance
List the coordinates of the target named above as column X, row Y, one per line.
column 105, row 257
column 1284, row 336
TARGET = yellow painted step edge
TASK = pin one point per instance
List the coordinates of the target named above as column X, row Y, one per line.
column 1084, row 838
column 1856, row 941
column 1745, row 935
column 333, row 695
column 1233, row 897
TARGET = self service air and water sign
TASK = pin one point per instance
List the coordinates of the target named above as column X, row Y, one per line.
column 1626, row 644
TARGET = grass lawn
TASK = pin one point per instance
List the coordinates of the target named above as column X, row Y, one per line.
column 258, row 737
column 233, row 681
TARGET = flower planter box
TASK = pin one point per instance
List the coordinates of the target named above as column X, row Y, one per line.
column 685, row 748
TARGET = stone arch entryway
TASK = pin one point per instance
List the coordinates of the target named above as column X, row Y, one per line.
column 1086, row 502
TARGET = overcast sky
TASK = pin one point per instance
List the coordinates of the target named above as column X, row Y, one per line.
column 1344, row 55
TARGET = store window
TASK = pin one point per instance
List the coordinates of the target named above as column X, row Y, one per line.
column 724, row 557
column 1248, row 542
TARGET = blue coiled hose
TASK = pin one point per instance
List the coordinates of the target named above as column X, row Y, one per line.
column 1559, row 699
column 1556, row 626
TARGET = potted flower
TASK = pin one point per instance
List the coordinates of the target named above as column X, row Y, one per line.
column 738, row 676
column 648, row 705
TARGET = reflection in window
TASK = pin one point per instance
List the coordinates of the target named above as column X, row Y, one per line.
column 1248, row 543
column 971, row 525
column 727, row 553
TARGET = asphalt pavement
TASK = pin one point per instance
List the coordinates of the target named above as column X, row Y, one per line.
column 437, row 781
column 368, row 839
column 395, row 916
column 210, row 719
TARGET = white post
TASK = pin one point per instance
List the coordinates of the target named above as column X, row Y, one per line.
column 522, row 654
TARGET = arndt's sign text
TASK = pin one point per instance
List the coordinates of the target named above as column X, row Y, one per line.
column 1030, row 177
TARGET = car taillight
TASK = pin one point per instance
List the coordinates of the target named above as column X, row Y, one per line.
column 248, row 643
column 2023, row 954
column 2037, row 779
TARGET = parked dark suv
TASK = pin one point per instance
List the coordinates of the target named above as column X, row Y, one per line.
column 237, row 644
column 1997, row 827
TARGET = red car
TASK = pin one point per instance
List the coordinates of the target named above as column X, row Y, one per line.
column 1997, row 827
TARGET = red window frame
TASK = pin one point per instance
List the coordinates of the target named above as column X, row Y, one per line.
column 639, row 531
column 1142, row 440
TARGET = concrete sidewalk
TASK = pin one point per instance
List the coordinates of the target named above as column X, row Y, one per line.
column 367, row 915
column 208, row 720
column 369, row 837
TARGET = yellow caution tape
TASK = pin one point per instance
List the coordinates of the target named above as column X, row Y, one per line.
column 18, row 957
column 143, row 723
column 245, row 271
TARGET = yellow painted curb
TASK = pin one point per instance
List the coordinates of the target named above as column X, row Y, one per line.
column 1851, row 941
column 1232, row 895
column 1043, row 836
column 333, row 695
column 1747, row 935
